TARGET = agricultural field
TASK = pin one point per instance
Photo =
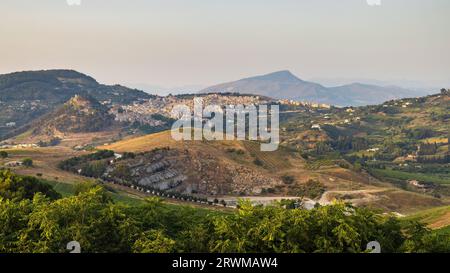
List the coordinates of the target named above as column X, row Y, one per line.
column 45, row 161
column 404, row 176
column 435, row 218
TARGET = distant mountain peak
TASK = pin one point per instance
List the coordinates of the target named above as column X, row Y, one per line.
column 285, row 85
column 282, row 73
column 282, row 76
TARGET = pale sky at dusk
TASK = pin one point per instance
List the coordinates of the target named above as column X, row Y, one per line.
column 180, row 42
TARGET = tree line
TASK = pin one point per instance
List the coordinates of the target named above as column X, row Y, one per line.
column 34, row 218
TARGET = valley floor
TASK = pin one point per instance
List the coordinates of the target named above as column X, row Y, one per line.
column 377, row 195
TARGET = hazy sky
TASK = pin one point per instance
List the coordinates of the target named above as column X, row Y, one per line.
column 178, row 42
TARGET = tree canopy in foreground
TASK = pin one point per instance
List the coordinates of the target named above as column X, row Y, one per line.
column 34, row 218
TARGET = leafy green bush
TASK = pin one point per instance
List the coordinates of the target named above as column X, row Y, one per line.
column 27, row 162
column 23, row 187
column 258, row 162
column 39, row 224
column 74, row 163
column 288, row 179
column 312, row 189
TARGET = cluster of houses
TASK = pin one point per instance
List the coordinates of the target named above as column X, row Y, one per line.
column 304, row 103
column 418, row 184
column 143, row 111
column 136, row 113
column 399, row 103
column 17, row 146
column 348, row 120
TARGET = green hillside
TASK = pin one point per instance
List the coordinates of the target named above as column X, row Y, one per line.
column 25, row 96
column 404, row 142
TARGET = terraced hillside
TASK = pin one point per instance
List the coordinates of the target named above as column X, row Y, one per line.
column 242, row 158
column 436, row 218
column 246, row 165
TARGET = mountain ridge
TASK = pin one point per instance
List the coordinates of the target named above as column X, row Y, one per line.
column 28, row 95
column 285, row 85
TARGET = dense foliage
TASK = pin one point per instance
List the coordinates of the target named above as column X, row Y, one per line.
column 15, row 187
column 83, row 164
column 41, row 223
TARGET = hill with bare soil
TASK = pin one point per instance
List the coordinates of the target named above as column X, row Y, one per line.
column 79, row 115
column 230, row 167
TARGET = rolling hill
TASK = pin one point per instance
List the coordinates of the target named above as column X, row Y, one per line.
column 335, row 156
column 81, row 114
column 285, row 85
column 239, row 168
column 25, row 96
column 403, row 142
